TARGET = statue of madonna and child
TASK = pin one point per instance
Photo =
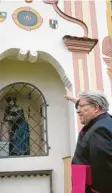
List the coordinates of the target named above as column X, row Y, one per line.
column 17, row 127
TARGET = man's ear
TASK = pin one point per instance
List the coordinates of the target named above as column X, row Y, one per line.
column 97, row 108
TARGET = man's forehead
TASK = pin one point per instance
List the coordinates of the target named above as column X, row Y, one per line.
column 82, row 100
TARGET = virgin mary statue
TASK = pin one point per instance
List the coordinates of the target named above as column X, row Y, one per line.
column 19, row 129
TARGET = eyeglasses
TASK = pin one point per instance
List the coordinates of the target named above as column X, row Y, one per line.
column 80, row 106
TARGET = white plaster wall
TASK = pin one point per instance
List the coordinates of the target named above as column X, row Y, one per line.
column 102, row 33
column 47, row 80
column 25, row 184
column 61, row 5
column 73, row 127
column 42, row 39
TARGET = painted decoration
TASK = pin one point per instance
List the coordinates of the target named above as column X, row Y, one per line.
column 107, row 51
column 53, row 23
column 28, row 1
column 3, row 16
column 27, row 18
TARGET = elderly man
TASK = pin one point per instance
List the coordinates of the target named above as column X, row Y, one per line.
column 94, row 146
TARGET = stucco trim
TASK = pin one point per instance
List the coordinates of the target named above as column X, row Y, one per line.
column 35, row 56
column 65, row 16
column 25, row 173
column 79, row 44
column 29, row 173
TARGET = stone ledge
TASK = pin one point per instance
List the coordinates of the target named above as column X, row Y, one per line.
column 79, row 44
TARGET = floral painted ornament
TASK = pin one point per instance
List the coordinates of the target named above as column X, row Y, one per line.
column 3, row 16
column 27, row 18
column 107, row 52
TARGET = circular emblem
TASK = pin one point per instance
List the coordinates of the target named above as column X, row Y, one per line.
column 27, row 18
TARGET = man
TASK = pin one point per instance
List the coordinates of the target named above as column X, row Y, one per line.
column 94, row 146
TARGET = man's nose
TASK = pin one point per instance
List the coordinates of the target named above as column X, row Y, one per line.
column 78, row 110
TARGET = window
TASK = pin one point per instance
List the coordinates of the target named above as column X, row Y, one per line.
column 23, row 121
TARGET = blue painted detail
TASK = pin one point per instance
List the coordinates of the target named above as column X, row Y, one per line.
column 27, row 18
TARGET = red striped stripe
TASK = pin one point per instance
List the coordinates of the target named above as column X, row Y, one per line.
column 99, row 79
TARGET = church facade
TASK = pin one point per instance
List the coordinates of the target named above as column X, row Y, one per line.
column 46, row 46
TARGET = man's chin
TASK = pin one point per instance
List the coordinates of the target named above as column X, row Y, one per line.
column 82, row 122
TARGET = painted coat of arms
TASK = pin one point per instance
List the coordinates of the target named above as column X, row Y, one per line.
column 53, row 23
column 3, row 16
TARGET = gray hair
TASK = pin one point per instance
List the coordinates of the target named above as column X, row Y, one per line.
column 95, row 98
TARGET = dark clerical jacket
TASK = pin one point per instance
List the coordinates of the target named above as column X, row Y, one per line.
column 94, row 148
